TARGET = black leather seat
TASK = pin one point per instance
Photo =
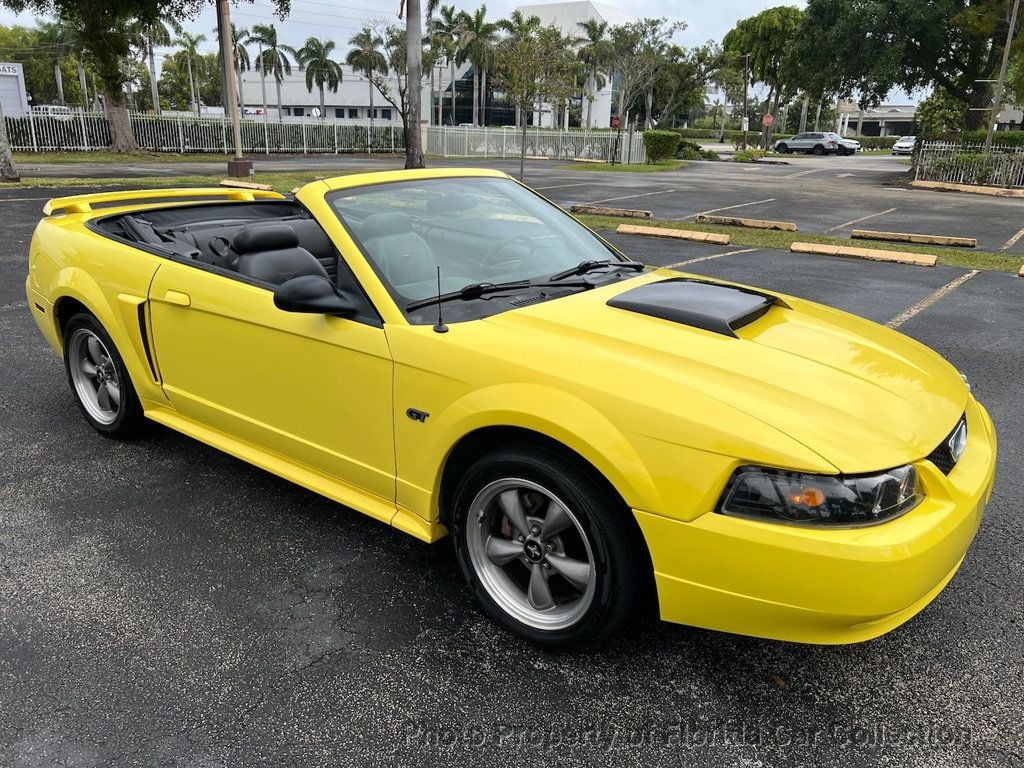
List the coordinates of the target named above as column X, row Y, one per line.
column 316, row 241
column 403, row 256
column 271, row 252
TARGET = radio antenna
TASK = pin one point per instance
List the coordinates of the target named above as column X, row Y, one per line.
column 439, row 327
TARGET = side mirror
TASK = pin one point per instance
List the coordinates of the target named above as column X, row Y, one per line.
column 313, row 294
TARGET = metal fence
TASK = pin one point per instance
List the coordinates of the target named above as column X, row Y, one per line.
column 554, row 144
column 958, row 163
column 182, row 134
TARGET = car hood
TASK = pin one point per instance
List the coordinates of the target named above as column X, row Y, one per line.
column 861, row 396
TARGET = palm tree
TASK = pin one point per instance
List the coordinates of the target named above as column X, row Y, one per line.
column 519, row 27
column 240, row 54
column 273, row 57
column 57, row 39
column 147, row 38
column 447, row 30
column 321, row 69
column 366, row 58
column 478, row 43
column 595, row 53
column 189, row 43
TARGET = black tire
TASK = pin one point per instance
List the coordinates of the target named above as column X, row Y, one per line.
column 621, row 566
column 783, row 149
column 818, row 149
column 126, row 420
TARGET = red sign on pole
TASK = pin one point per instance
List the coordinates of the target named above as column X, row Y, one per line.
column 768, row 120
column 616, row 123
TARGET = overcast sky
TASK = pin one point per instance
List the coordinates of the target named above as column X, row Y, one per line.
column 705, row 19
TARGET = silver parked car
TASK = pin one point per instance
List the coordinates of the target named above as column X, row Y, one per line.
column 812, row 143
column 904, row 145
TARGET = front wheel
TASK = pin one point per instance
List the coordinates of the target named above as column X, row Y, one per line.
column 99, row 379
column 783, row 149
column 548, row 552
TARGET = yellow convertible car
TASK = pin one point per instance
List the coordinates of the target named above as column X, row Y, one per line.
column 448, row 352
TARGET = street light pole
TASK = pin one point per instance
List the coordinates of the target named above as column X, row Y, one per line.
column 997, row 103
column 237, row 167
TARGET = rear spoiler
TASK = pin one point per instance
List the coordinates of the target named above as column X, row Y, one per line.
column 84, row 203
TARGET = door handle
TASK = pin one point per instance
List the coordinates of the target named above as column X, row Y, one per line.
column 178, row 298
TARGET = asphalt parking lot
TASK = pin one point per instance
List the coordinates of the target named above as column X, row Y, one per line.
column 162, row 604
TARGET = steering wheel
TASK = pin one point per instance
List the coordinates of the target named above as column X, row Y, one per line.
column 493, row 258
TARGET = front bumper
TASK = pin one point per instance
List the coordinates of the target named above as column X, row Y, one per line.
column 824, row 586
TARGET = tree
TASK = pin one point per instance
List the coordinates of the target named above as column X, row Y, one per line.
column 447, row 31
column 477, row 44
column 273, row 57
column 56, row 38
column 534, row 68
column 941, row 113
column 637, row 50
column 868, row 48
column 414, row 73
column 770, row 38
column 149, row 37
column 321, row 69
column 517, row 28
column 365, row 57
column 596, row 55
column 189, row 44
column 183, row 79
column 682, row 79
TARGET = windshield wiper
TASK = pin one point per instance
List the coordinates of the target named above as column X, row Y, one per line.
column 479, row 290
column 589, row 266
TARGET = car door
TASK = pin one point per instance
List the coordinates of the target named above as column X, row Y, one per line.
column 312, row 388
column 798, row 143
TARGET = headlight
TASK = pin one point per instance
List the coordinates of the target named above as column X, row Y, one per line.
column 793, row 497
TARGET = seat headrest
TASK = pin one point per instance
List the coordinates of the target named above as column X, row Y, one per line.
column 264, row 237
column 384, row 225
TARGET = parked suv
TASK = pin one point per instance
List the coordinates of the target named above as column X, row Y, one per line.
column 813, row 143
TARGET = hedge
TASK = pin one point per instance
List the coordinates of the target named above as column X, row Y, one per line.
column 660, row 145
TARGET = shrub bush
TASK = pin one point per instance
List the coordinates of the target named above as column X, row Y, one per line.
column 748, row 155
column 691, row 150
column 660, row 145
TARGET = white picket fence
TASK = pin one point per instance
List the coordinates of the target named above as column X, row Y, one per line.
column 959, row 163
column 182, row 134
column 555, row 144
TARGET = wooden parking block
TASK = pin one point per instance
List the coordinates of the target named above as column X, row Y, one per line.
column 598, row 210
column 783, row 226
column 906, row 237
column 677, row 234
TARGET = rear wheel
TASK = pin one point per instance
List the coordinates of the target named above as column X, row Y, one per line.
column 545, row 548
column 99, row 379
column 818, row 149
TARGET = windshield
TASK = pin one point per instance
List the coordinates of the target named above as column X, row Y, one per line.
column 477, row 230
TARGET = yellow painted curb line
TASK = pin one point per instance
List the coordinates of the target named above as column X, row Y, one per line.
column 875, row 254
column 678, row 234
column 597, row 210
column 784, row 226
column 904, row 237
column 948, row 187
column 246, row 185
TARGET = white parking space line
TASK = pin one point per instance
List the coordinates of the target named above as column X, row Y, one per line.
column 629, row 197
column 563, row 186
column 729, row 208
column 802, row 173
column 1012, row 241
column 23, row 199
column 930, row 299
column 708, row 258
column 846, row 224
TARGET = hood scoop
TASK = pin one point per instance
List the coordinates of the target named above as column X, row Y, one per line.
column 718, row 308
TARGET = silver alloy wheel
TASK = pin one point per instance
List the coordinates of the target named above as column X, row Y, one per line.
column 531, row 554
column 94, row 375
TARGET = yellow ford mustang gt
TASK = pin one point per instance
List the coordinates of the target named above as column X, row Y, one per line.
column 446, row 351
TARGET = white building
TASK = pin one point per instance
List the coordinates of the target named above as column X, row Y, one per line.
column 350, row 102
column 567, row 17
column 13, row 96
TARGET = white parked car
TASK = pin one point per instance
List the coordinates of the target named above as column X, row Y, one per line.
column 52, row 110
column 904, row 145
column 844, row 145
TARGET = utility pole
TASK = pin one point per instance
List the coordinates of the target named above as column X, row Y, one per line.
column 746, row 77
column 997, row 103
column 237, row 166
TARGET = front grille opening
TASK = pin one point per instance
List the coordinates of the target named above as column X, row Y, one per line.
column 942, row 457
